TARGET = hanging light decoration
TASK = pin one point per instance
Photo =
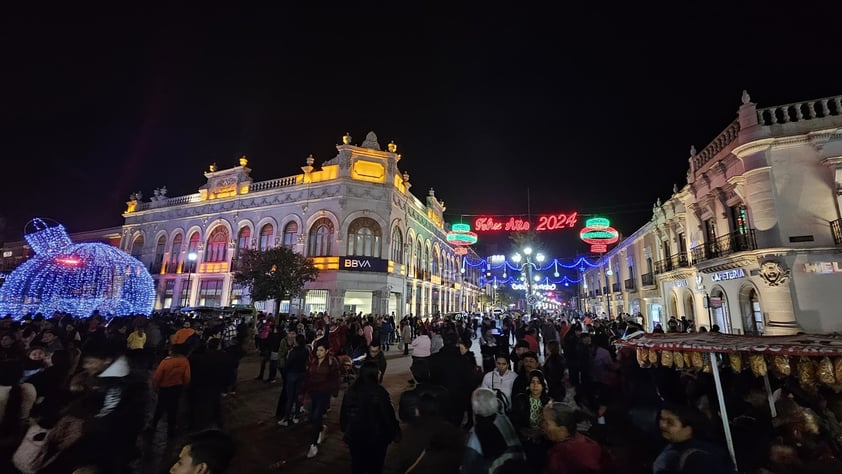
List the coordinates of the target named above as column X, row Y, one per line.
column 75, row 278
column 461, row 237
column 599, row 234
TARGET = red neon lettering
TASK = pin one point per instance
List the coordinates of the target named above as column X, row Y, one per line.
column 517, row 224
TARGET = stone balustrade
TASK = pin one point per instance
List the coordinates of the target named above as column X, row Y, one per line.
column 800, row 111
column 273, row 184
column 725, row 138
column 173, row 201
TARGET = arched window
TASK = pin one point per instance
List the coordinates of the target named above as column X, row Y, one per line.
column 364, row 237
column 419, row 267
column 321, row 238
column 175, row 253
column 137, row 247
column 192, row 249
column 291, row 235
column 435, row 264
column 217, row 247
column 243, row 240
column 265, row 242
column 428, row 259
column 160, row 248
column 397, row 246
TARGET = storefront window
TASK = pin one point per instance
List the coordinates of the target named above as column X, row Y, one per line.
column 210, row 293
column 316, row 301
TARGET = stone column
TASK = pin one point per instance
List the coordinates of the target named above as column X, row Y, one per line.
column 776, row 297
column 226, row 290
column 336, row 302
column 760, row 198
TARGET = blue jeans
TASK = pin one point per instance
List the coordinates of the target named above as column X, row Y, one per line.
column 320, row 402
column 292, row 385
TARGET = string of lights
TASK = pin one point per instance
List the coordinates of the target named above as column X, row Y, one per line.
column 75, row 278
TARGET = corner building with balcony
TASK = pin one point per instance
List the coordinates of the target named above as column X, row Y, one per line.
column 378, row 248
column 752, row 242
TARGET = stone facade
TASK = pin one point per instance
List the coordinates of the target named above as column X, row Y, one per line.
column 379, row 249
column 752, row 242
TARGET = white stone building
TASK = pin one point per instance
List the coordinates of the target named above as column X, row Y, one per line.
column 752, row 242
column 379, row 249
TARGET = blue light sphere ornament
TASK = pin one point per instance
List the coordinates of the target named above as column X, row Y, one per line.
column 75, row 278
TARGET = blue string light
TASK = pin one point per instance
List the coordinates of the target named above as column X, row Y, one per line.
column 75, row 278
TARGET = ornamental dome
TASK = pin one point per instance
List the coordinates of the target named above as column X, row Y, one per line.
column 75, row 278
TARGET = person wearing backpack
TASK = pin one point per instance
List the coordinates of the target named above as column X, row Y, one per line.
column 368, row 421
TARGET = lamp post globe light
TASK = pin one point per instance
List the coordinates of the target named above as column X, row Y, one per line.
column 524, row 259
column 191, row 257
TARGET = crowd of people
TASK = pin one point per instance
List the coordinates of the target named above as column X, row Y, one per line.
column 549, row 393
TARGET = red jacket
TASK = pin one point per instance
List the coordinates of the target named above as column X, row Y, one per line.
column 577, row 455
column 324, row 377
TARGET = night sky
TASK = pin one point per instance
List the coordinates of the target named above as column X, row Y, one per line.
column 590, row 108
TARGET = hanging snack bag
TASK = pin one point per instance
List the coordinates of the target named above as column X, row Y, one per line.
column 653, row 357
column 678, row 360
column 736, row 361
column 643, row 357
column 666, row 358
column 837, row 368
column 825, row 371
column 688, row 360
column 757, row 364
column 697, row 360
column 806, row 373
column 781, row 366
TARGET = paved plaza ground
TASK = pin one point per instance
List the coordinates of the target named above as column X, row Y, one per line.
column 250, row 418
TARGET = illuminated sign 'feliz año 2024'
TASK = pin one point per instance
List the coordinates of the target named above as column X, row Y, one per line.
column 518, row 224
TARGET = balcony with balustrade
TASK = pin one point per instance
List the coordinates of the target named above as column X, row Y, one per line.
column 629, row 284
column 647, row 279
column 836, row 230
column 672, row 263
column 724, row 246
column 615, row 287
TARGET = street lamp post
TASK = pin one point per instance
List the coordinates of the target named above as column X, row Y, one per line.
column 528, row 265
column 191, row 257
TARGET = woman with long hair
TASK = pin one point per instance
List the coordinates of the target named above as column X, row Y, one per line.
column 527, row 413
column 321, row 382
column 368, row 421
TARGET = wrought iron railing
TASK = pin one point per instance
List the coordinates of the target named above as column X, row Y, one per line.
column 629, row 283
column 615, row 287
column 672, row 263
column 647, row 279
column 725, row 245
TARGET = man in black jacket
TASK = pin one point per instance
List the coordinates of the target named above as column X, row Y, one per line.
column 450, row 369
column 376, row 354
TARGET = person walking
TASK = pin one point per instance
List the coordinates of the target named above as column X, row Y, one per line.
column 406, row 336
column 321, row 382
column 169, row 380
column 368, row 421
column 296, row 369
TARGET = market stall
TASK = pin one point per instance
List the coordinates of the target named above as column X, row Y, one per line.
column 817, row 359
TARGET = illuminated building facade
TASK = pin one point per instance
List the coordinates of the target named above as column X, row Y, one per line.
column 379, row 249
column 752, row 241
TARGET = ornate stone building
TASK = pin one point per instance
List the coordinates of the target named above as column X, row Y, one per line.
column 753, row 241
column 379, row 249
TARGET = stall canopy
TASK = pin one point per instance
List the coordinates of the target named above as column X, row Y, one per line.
column 810, row 345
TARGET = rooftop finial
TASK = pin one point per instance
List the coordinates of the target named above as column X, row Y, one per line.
column 310, row 160
column 692, row 150
column 371, row 141
column 746, row 98
column 346, row 139
column 244, row 160
column 392, row 147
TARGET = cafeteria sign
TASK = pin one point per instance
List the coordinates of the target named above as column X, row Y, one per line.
column 729, row 275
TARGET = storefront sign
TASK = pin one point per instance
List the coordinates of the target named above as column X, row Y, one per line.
column 363, row 264
column 518, row 224
column 729, row 275
column 823, row 267
column 536, row 286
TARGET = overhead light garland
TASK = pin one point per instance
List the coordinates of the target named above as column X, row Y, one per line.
column 75, row 278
